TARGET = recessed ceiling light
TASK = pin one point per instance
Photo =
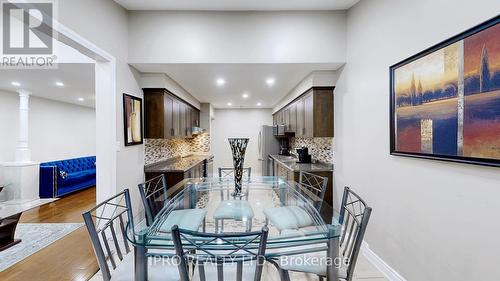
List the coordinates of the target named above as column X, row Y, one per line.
column 81, row 99
column 229, row 104
column 220, row 82
column 59, row 84
column 245, row 95
column 17, row 84
column 259, row 104
column 270, row 82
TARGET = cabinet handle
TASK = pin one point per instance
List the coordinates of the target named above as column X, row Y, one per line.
column 172, row 132
column 303, row 131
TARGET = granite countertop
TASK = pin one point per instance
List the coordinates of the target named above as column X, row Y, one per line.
column 291, row 163
column 178, row 164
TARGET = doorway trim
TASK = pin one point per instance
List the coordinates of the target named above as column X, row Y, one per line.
column 105, row 95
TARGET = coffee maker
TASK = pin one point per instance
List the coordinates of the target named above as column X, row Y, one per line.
column 284, row 146
column 304, row 156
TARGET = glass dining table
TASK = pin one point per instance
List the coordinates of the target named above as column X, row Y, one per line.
column 262, row 193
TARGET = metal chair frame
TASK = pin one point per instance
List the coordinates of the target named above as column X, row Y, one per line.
column 225, row 173
column 108, row 215
column 354, row 217
column 151, row 191
column 314, row 184
column 201, row 248
column 229, row 173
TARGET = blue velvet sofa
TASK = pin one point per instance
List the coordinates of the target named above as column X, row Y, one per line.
column 59, row 178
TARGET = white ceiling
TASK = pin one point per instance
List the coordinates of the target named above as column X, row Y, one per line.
column 237, row 5
column 78, row 82
column 200, row 81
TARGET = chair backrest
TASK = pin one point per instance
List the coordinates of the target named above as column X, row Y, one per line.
column 202, row 248
column 354, row 217
column 154, row 196
column 229, row 173
column 106, row 224
column 314, row 184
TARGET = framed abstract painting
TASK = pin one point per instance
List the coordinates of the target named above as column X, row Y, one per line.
column 132, row 120
column 445, row 101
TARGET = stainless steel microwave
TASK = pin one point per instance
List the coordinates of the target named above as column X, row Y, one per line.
column 279, row 130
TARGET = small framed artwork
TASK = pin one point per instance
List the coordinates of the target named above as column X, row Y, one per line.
column 132, row 120
column 445, row 101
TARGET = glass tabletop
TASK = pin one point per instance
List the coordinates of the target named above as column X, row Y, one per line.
column 293, row 215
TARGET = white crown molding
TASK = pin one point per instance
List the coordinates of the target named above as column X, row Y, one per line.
column 380, row 264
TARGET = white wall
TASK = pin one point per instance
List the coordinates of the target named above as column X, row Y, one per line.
column 236, row 37
column 238, row 123
column 105, row 24
column 57, row 130
column 431, row 220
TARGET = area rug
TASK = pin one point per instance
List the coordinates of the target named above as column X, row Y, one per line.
column 34, row 236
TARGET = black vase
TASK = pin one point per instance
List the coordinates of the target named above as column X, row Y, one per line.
column 238, row 147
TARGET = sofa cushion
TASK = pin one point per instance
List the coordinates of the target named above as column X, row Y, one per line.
column 76, row 177
column 74, row 165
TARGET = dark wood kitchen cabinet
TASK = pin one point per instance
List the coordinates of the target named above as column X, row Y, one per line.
column 195, row 118
column 174, row 177
column 281, row 170
column 292, row 118
column 310, row 115
column 300, row 129
column 166, row 116
column 154, row 126
column 182, row 119
column 189, row 122
column 176, row 118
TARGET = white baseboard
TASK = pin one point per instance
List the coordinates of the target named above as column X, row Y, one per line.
column 380, row 264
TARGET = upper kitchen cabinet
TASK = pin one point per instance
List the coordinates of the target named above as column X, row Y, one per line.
column 195, row 118
column 176, row 119
column 310, row 115
column 166, row 116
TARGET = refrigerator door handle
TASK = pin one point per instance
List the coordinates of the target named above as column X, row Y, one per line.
column 260, row 145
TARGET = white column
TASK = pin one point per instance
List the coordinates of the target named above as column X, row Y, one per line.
column 23, row 152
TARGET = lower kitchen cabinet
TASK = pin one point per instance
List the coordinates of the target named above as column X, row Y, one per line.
column 174, row 178
column 283, row 171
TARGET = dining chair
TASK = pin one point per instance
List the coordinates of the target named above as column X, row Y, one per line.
column 208, row 250
column 107, row 224
column 233, row 208
column 354, row 216
column 312, row 187
column 229, row 173
column 154, row 198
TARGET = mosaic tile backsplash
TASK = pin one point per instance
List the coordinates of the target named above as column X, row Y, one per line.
column 320, row 148
column 156, row 150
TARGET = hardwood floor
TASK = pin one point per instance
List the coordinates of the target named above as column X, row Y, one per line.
column 69, row 258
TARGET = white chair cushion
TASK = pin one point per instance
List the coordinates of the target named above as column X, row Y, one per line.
column 156, row 271
column 190, row 219
column 234, row 209
column 290, row 217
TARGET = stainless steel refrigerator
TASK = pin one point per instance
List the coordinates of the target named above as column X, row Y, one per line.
column 268, row 145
